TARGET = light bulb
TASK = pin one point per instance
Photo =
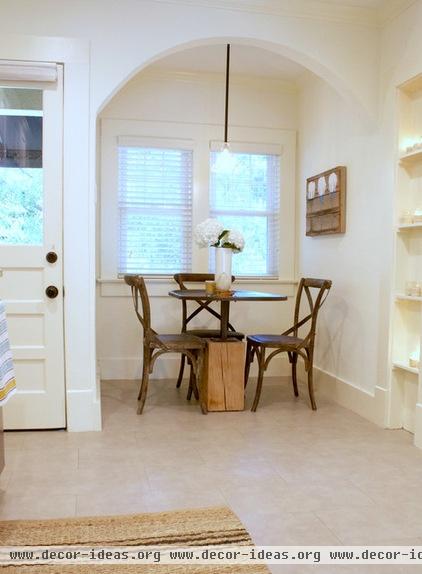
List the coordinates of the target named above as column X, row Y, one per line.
column 226, row 161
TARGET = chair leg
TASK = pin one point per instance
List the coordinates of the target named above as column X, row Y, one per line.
column 195, row 388
column 199, row 373
column 145, row 369
column 294, row 374
column 248, row 361
column 182, row 368
column 261, row 367
column 311, row 384
column 144, row 385
column 191, row 384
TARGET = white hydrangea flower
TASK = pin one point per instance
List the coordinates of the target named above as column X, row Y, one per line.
column 208, row 232
column 236, row 239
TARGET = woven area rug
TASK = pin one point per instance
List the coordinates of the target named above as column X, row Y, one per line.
column 200, row 527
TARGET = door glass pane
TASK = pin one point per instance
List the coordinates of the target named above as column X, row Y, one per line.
column 21, row 172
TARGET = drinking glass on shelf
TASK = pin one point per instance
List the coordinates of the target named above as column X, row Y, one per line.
column 411, row 288
column 417, row 215
column 414, row 359
column 406, row 217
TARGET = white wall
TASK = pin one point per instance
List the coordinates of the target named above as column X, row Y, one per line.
column 165, row 95
column 354, row 321
column 186, row 103
column 358, row 261
column 354, row 337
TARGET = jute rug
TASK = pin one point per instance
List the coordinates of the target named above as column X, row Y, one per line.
column 201, row 527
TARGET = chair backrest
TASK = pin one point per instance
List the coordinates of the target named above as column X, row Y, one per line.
column 316, row 291
column 183, row 278
column 140, row 301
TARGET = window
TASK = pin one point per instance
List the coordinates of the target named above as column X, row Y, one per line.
column 246, row 197
column 158, row 182
column 21, row 171
column 155, row 209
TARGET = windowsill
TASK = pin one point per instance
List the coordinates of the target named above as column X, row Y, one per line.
column 169, row 278
column 160, row 286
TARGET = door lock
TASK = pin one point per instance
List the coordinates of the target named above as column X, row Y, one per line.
column 51, row 291
column 51, row 256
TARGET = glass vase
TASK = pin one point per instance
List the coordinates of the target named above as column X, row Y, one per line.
column 223, row 268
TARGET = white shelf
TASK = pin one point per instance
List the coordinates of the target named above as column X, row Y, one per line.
column 402, row 297
column 409, row 227
column 411, row 158
column 404, row 367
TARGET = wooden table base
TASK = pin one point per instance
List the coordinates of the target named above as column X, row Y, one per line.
column 223, row 375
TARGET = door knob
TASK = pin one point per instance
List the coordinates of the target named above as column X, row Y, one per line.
column 51, row 291
column 51, row 257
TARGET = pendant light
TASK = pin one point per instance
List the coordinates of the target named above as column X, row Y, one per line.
column 226, row 161
column 226, row 106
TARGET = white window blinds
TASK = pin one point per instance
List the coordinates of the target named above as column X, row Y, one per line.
column 27, row 71
column 155, row 210
column 246, row 197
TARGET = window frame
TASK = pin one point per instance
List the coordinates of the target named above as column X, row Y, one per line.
column 200, row 138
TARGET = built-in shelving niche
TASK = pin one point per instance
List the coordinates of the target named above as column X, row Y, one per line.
column 408, row 258
column 407, row 309
column 407, row 331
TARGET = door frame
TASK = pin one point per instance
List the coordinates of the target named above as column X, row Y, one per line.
column 83, row 406
column 40, row 400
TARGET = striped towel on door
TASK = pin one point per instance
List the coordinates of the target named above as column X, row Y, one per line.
column 7, row 375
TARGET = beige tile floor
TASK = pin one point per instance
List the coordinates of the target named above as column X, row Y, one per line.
column 294, row 477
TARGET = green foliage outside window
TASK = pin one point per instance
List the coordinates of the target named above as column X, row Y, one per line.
column 21, row 206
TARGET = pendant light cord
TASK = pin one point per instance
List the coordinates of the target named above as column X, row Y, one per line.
column 226, row 114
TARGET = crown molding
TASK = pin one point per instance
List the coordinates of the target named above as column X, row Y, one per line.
column 392, row 10
column 310, row 9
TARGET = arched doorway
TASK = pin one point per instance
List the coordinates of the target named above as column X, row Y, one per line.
column 156, row 94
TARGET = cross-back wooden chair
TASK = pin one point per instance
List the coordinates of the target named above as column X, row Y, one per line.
column 155, row 345
column 182, row 279
column 289, row 342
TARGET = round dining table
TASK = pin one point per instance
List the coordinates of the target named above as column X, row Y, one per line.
column 202, row 296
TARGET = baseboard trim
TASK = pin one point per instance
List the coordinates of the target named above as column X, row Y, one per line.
column 418, row 425
column 167, row 367
column 369, row 406
column 86, row 410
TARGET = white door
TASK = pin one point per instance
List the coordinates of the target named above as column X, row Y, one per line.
column 31, row 257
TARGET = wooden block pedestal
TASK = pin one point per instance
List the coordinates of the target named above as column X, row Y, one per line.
column 223, row 386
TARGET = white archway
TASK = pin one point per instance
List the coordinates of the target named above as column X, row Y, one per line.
column 300, row 57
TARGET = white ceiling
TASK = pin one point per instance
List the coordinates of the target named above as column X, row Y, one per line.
column 244, row 60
